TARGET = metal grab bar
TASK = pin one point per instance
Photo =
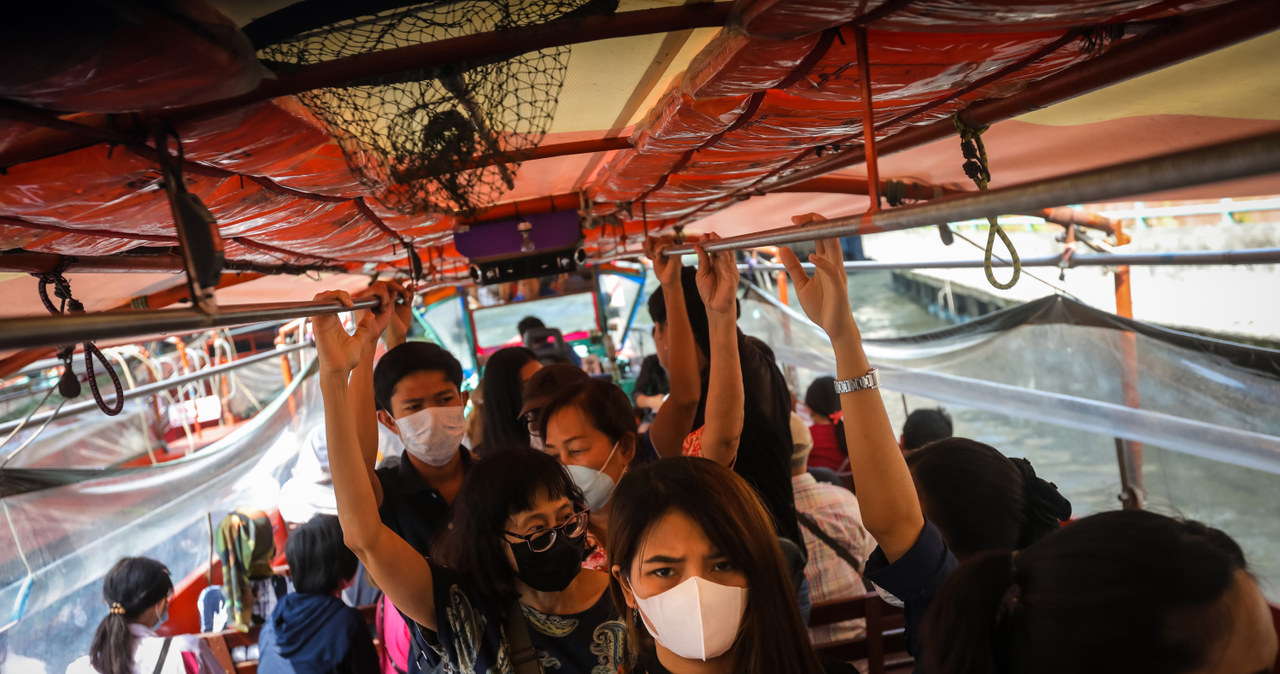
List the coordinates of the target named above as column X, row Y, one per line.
column 162, row 386
column 1179, row 258
column 1227, row 161
column 48, row 331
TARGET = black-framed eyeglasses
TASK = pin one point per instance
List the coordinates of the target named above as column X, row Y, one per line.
column 530, row 419
column 542, row 539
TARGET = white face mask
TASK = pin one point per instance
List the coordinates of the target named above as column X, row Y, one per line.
column 596, row 485
column 697, row 619
column 433, row 434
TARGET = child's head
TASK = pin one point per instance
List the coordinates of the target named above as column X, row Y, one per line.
column 319, row 561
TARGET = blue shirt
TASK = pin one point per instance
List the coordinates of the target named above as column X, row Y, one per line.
column 315, row 634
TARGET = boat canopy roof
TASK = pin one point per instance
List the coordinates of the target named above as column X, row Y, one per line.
column 323, row 141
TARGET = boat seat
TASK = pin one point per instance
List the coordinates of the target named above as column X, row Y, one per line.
column 884, row 646
column 224, row 643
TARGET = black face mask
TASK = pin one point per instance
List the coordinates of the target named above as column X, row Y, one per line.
column 552, row 569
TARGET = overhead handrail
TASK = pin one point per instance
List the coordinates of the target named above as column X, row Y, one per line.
column 45, row 331
column 163, row 386
column 1244, row 158
column 1178, row 258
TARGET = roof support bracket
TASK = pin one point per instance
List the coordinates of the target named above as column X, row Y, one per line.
column 198, row 236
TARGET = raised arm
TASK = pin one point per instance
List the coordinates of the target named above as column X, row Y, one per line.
column 886, row 494
column 674, row 419
column 718, row 285
column 402, row 573
column 360, row 386
column 396, row 331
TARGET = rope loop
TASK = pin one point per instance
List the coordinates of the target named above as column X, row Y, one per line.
column 978, row 169
column 69, row 386
column 993, row 230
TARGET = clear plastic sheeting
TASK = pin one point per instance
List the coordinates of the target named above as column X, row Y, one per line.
column 1188, row 400
column 72, row 534
column 1053, row 392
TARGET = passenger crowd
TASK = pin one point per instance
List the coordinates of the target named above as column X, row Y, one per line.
column 569, row 530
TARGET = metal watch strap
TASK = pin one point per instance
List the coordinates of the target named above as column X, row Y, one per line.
column 869, row 380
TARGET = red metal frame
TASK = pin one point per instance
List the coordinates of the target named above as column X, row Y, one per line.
column 868, row 118
column 1223, row 27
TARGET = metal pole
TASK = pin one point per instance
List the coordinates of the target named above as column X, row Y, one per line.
column 70, row 329
column 1228, row 161
column 1180, row 258
column 868, row 118
column 1128, row 452
column 157, row 387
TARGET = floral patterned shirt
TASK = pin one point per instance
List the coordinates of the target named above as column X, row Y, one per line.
column 471, row 636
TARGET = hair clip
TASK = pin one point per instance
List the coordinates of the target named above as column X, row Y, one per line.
column 116, row 608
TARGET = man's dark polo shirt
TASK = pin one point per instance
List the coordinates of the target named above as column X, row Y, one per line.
column 412, row 508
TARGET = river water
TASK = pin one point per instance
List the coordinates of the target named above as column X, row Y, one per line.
column 1237, row 500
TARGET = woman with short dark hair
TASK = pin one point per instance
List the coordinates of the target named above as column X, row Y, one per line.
column 589, row 425
column 137, row 591
column 312, row 630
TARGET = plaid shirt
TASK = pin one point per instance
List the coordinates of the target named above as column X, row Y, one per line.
column 835, row 509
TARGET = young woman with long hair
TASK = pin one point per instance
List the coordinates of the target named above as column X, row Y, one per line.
column 137, row 591
column 699, row 577
column 510, row 561
column 504, row 376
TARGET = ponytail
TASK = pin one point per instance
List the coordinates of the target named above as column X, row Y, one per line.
column 132, row 586
column 981, row 500
column 112, row 649
column 976, row 606
column 1043, row 506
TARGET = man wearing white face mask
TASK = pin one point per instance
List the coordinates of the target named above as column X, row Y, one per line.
column 416, row 391
column 416, row 388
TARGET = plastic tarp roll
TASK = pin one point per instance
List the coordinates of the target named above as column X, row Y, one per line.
column 1029, row 14
column 298, row 153
column 785, row 19
column 737, row 65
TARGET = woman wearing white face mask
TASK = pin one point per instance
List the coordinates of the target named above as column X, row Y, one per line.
column 699, row 577
column 591, row 427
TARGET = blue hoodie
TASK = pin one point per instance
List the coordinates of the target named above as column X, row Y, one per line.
column 315, row 634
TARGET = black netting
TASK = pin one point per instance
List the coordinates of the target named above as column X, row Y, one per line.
column 409, row 137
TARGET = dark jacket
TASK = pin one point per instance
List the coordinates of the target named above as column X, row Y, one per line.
column 764, row 449
column 315, row 634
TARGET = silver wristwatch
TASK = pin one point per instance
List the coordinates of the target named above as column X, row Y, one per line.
column 868, row 380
